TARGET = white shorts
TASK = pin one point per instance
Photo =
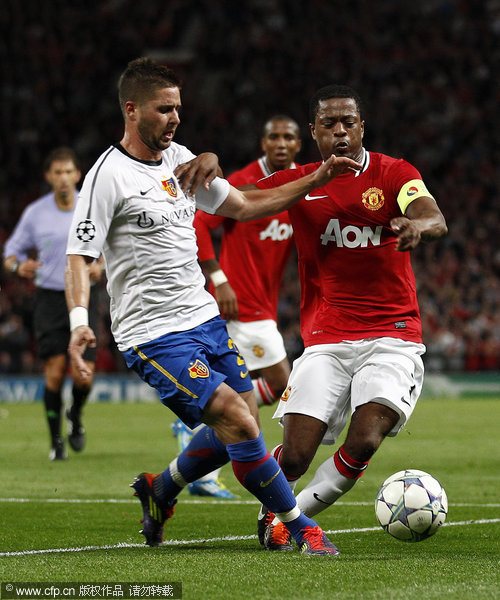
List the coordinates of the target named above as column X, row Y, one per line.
column 329, row 381
column 259, row 342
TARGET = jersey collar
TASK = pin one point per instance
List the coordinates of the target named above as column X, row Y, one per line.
column 365, row 161
column 265, row 169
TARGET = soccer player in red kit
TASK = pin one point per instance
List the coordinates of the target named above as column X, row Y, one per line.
column 360, row 320
column 246, row 280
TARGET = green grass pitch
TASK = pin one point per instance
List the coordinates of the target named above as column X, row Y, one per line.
column 76, row 521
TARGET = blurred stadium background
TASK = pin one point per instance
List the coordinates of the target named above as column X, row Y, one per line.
column 427, row 70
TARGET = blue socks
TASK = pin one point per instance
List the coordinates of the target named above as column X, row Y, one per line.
column 204, row 453
column 261, row 475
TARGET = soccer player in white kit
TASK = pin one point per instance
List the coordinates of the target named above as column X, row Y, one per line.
column 136, row 207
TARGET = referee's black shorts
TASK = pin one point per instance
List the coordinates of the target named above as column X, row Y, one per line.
column 51, row 323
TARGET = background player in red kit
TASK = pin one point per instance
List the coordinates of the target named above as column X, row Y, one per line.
column 253, row 256
column 246, row 280
column 360, row 319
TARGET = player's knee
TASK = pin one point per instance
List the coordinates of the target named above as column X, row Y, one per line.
column 362, row 448
column 231, row 418
column 54, row 381
column 82, row 384
column 369, row 426
column 295, row 462
column 243, row 425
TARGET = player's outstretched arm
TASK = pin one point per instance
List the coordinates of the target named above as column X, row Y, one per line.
column 77, row 280
column 422, row 221
column 255, row 204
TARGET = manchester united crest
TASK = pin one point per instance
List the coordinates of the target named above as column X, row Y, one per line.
column 373, row 198
column 286, row 394
column 198, row 369
column 170, row 186
column 258, row 351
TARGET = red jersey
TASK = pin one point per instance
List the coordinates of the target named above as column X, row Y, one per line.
column 253, row 255
column 354, row 284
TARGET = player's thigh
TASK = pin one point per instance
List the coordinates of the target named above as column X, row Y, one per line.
column 391, row 373
column 186, row 368
column 251, row 402
column 259, row 342
column 180, row 373
column 319, row 387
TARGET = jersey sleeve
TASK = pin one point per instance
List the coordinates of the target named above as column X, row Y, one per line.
column 278, row 178
column 204, row 224
column 181, row 154
column 21, row 239
column 93, row 214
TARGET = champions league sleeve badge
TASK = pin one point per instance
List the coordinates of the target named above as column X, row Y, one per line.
column 85, row 231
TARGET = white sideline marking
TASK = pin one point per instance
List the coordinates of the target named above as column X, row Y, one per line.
column 206, row 501
column 229, row 538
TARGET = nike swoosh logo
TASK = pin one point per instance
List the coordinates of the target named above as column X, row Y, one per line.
column 308, row 197
column 243, row 375
column 266, row 483
column 316, row 497
column 144, row 193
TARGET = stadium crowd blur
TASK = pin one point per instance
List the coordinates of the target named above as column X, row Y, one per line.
column 427, row 70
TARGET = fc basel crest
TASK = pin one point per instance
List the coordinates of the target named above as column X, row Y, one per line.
column 198, row 369
column 170, row 186
column 373, row 198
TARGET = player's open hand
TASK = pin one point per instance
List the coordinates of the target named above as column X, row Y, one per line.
column 335, row 165
column 81, row 338
column 408, row 233
column 202, row 170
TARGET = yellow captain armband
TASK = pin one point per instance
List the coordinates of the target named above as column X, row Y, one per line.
column 411, row 190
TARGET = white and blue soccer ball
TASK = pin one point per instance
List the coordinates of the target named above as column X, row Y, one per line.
column 411, row 505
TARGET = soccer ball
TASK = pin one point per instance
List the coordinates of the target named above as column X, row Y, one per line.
column 411, row 505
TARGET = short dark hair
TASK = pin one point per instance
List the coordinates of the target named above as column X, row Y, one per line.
column 333, row 91
column 280, row 118
column 61, row 153
column 142, row 77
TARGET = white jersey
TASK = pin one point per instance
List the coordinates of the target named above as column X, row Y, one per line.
column 135, row 213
